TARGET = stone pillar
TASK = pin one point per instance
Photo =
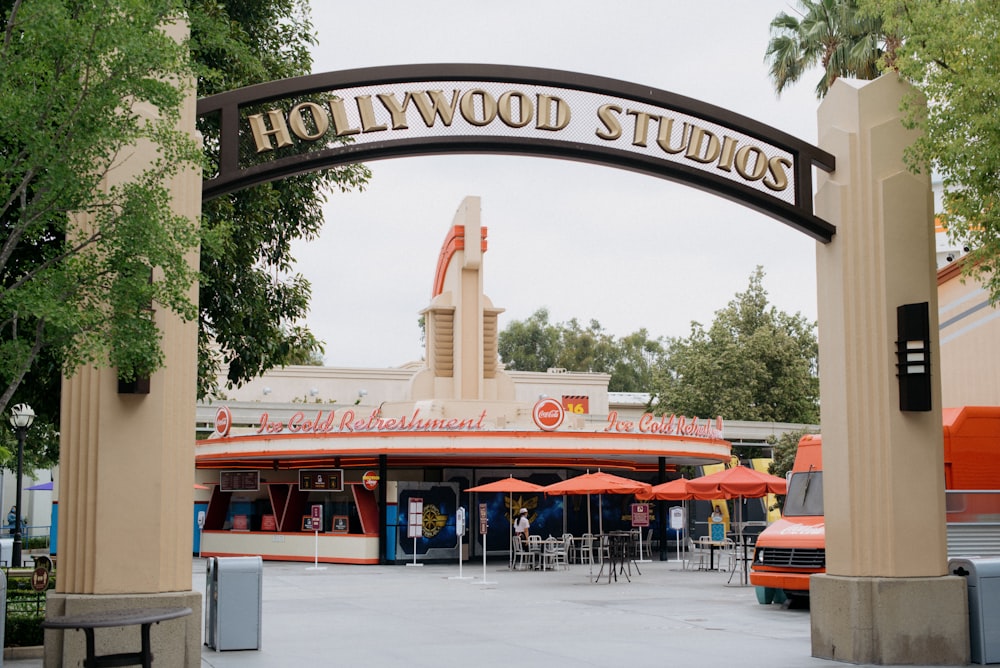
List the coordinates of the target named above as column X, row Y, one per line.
column 126, row 481
column 886, row 597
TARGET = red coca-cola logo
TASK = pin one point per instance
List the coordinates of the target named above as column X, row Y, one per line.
column 223, row 421
column 548, row 414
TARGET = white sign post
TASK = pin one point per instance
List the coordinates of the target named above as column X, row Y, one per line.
column 460, row 532
column 415, row 524
column 677, row 522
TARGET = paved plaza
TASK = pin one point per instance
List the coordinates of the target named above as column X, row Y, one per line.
column 425, row 617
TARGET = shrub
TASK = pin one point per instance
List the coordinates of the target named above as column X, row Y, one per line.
column 25, row 611
column 36, row 542
column 23, row 630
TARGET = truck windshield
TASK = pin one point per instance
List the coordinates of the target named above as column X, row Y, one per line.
column 805, row 494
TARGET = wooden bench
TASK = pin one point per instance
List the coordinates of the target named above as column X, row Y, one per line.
column 143, row 617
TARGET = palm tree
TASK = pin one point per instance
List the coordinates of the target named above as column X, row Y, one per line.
column 831, row 33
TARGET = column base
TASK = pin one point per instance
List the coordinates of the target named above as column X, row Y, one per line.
column 890, row 621
column 176, row 642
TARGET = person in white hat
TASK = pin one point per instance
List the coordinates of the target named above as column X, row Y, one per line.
column 522, row 525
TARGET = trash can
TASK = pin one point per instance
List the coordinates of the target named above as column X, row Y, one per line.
column 6, row 551
column 983, row 578
column 233, row 597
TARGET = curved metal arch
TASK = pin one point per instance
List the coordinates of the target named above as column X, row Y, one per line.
column 231, row 176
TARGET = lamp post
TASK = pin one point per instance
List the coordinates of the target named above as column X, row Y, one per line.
column 21, row 417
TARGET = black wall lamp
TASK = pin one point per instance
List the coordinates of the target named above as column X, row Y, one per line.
column 913, row 356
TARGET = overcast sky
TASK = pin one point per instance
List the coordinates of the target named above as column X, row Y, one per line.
column 583, row 241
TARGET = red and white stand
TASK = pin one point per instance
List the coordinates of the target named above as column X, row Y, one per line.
column 317, row 522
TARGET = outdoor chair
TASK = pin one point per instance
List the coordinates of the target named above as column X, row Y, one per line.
column 585, row 550
column 557, row 554
column 699, row 554
column 535, row 548
column 570, row 547
column 523, row 559
column 603, row 549
column 726, row 555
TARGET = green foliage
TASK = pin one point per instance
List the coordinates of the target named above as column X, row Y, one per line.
column 88, row 294
column 252, row 302
column 537, row 345
column 24, row 630
column 25, row 610
column 530, row 345
column 785, row 447
column 951, row 53
column 830, row 33
column 86, row 298
column 753, row 363
column 36, row 542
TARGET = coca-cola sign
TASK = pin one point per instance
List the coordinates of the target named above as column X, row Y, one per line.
column 548, row 414
column 223, row 421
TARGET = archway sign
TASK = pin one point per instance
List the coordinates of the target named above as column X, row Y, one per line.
column 305, row 124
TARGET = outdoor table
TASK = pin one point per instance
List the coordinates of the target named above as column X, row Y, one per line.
column 712, row 544
column 618, row 556
column 744, row 543
column 143, row 617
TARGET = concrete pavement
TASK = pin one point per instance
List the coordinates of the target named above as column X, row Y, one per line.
column 424, row 617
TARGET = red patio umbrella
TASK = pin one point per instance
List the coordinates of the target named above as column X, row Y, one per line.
column 508, row 486
column 738, row 482
column 597, row 483
column 673, row 490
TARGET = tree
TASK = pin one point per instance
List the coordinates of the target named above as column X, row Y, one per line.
column 536, row 345
column 634, row 367
column 951, row 54
column 251, row 300
column 785, row 448
column 753, row 363
column 585, row 349
column 81, row 295
column 66, row 69
column 530, row 345
column 833, row 34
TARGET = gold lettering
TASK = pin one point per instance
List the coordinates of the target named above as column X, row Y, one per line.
column 367, row 113
column 468, row 107
column 694, row 147
column 667, row 131
column 641, row 127
column 544, row 113
column 397, row 111
column 608, row 115
column 776, row 167
column 299, row 119
column 340, row 123
column 759, row 163
column 506, row 109
column 262, row 136
column 432, row 103
column 726, row 158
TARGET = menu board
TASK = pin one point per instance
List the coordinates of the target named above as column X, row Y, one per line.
column 322, row 480
column 239, row 481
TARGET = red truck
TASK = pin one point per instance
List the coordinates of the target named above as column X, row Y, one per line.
column 793, row 548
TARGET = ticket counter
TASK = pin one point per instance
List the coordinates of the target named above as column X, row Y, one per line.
column 277, row 520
